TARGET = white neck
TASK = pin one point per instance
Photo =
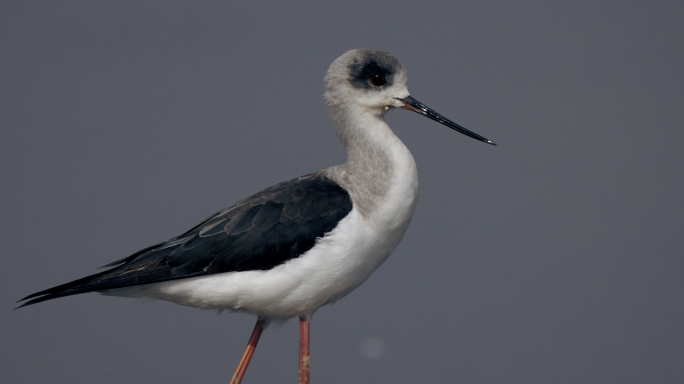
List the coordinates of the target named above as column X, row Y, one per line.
column 379, row 168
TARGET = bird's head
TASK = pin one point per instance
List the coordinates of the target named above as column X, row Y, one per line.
column 370, row 81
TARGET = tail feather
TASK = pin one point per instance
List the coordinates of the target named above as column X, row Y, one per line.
column 111, row 279
column 60, row 290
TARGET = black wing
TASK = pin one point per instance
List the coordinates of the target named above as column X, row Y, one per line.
column 258, row 233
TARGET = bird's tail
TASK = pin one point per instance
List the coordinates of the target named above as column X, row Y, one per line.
column 71, row 288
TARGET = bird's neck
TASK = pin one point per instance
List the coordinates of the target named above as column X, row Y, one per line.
column 379, row 166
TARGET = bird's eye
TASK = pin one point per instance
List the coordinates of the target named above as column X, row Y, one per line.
column 378, row 80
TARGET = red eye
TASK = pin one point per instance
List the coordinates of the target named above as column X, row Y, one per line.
column 378, row 80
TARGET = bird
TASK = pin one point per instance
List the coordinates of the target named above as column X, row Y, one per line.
column 302, row 244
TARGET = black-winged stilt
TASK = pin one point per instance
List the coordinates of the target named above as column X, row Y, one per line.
column 304, row 243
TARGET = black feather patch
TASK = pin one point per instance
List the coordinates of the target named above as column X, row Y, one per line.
column 258, row 233
column 373, row 63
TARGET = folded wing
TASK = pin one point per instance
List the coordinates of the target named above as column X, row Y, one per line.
column 258, row 233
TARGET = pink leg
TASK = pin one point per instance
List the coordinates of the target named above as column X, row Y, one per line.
column 303, row 351
column 249, row 351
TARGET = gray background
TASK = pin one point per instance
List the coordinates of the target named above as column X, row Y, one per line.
column 556, row 257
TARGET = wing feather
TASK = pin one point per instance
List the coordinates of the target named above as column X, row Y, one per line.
column 258, row 233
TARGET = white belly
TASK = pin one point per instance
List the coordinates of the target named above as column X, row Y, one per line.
column 334, row 267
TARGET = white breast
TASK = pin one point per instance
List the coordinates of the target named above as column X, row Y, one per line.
column 335, row 266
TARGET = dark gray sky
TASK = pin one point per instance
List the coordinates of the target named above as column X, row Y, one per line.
column 556, row 257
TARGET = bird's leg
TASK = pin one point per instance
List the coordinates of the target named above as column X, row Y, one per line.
column 249, row 351
column 303, row 350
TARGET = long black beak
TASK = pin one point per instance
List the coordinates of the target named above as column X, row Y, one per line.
column 416, row 106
